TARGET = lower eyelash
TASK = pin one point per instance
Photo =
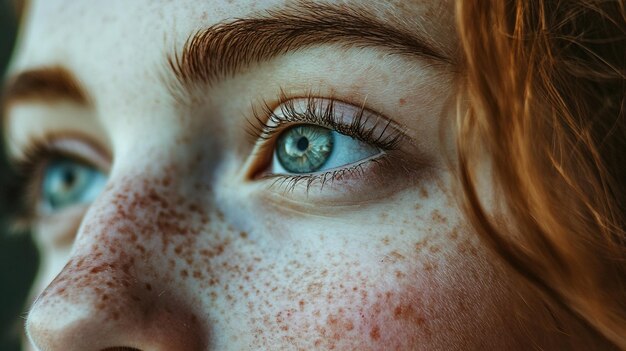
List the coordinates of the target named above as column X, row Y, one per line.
column 288, row 182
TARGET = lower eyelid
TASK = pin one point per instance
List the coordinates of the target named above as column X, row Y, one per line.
column 375, row 181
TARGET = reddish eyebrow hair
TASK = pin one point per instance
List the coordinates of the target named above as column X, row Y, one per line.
column 46, row 84
column 223, row 50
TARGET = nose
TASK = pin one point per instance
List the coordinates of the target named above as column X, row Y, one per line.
column 113, row 293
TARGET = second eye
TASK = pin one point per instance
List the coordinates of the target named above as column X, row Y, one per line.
column 309, row 148
column 67, row 182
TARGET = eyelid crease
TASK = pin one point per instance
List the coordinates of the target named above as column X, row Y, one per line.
column 63, row 144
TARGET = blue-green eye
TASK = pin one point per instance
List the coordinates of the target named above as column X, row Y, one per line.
column 66, row 183
column 309, row 148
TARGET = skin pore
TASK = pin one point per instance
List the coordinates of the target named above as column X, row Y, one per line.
column 195, row 243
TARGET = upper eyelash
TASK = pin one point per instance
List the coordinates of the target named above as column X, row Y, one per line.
column 265, row 128
column 28, row 169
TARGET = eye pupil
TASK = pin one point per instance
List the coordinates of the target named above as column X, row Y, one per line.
column 69, row 177
column 303, row 144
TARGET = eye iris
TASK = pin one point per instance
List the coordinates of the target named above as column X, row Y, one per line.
column 304, row 148
column 66, row 183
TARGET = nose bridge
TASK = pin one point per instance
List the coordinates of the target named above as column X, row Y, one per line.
column 114, row 291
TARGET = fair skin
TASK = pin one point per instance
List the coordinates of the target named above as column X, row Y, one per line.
column 190, row 245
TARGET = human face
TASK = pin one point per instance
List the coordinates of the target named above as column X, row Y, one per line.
column 166, row 225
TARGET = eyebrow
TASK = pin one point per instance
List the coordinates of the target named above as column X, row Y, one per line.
column 47, row 84
column 225, row 49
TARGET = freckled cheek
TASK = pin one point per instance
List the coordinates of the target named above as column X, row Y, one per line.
column 397, row 319
column 450, row 303
column 369, row 315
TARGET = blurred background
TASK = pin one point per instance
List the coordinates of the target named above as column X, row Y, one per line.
column 18, row 259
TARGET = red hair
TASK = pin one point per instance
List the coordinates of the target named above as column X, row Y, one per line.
column 546, row 86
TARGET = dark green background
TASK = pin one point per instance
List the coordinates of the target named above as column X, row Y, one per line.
column 18, row 260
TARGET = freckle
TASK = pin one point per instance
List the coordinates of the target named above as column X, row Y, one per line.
column 197, row 274
column 243, row 235
column 429, row 266
column 97, row 269
column 375, row 333
column 184, row 273
column 148, row 287
column 420, row 245
column 301, row 303
column 423, row 193
column 79, row 263
column 434, row 249
column 116, row 315
column 402, row 102
column 438, row 218
column 397, row 312
column 166, row 181
column 399, row 274
column 454, row 234
column 386, row 240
